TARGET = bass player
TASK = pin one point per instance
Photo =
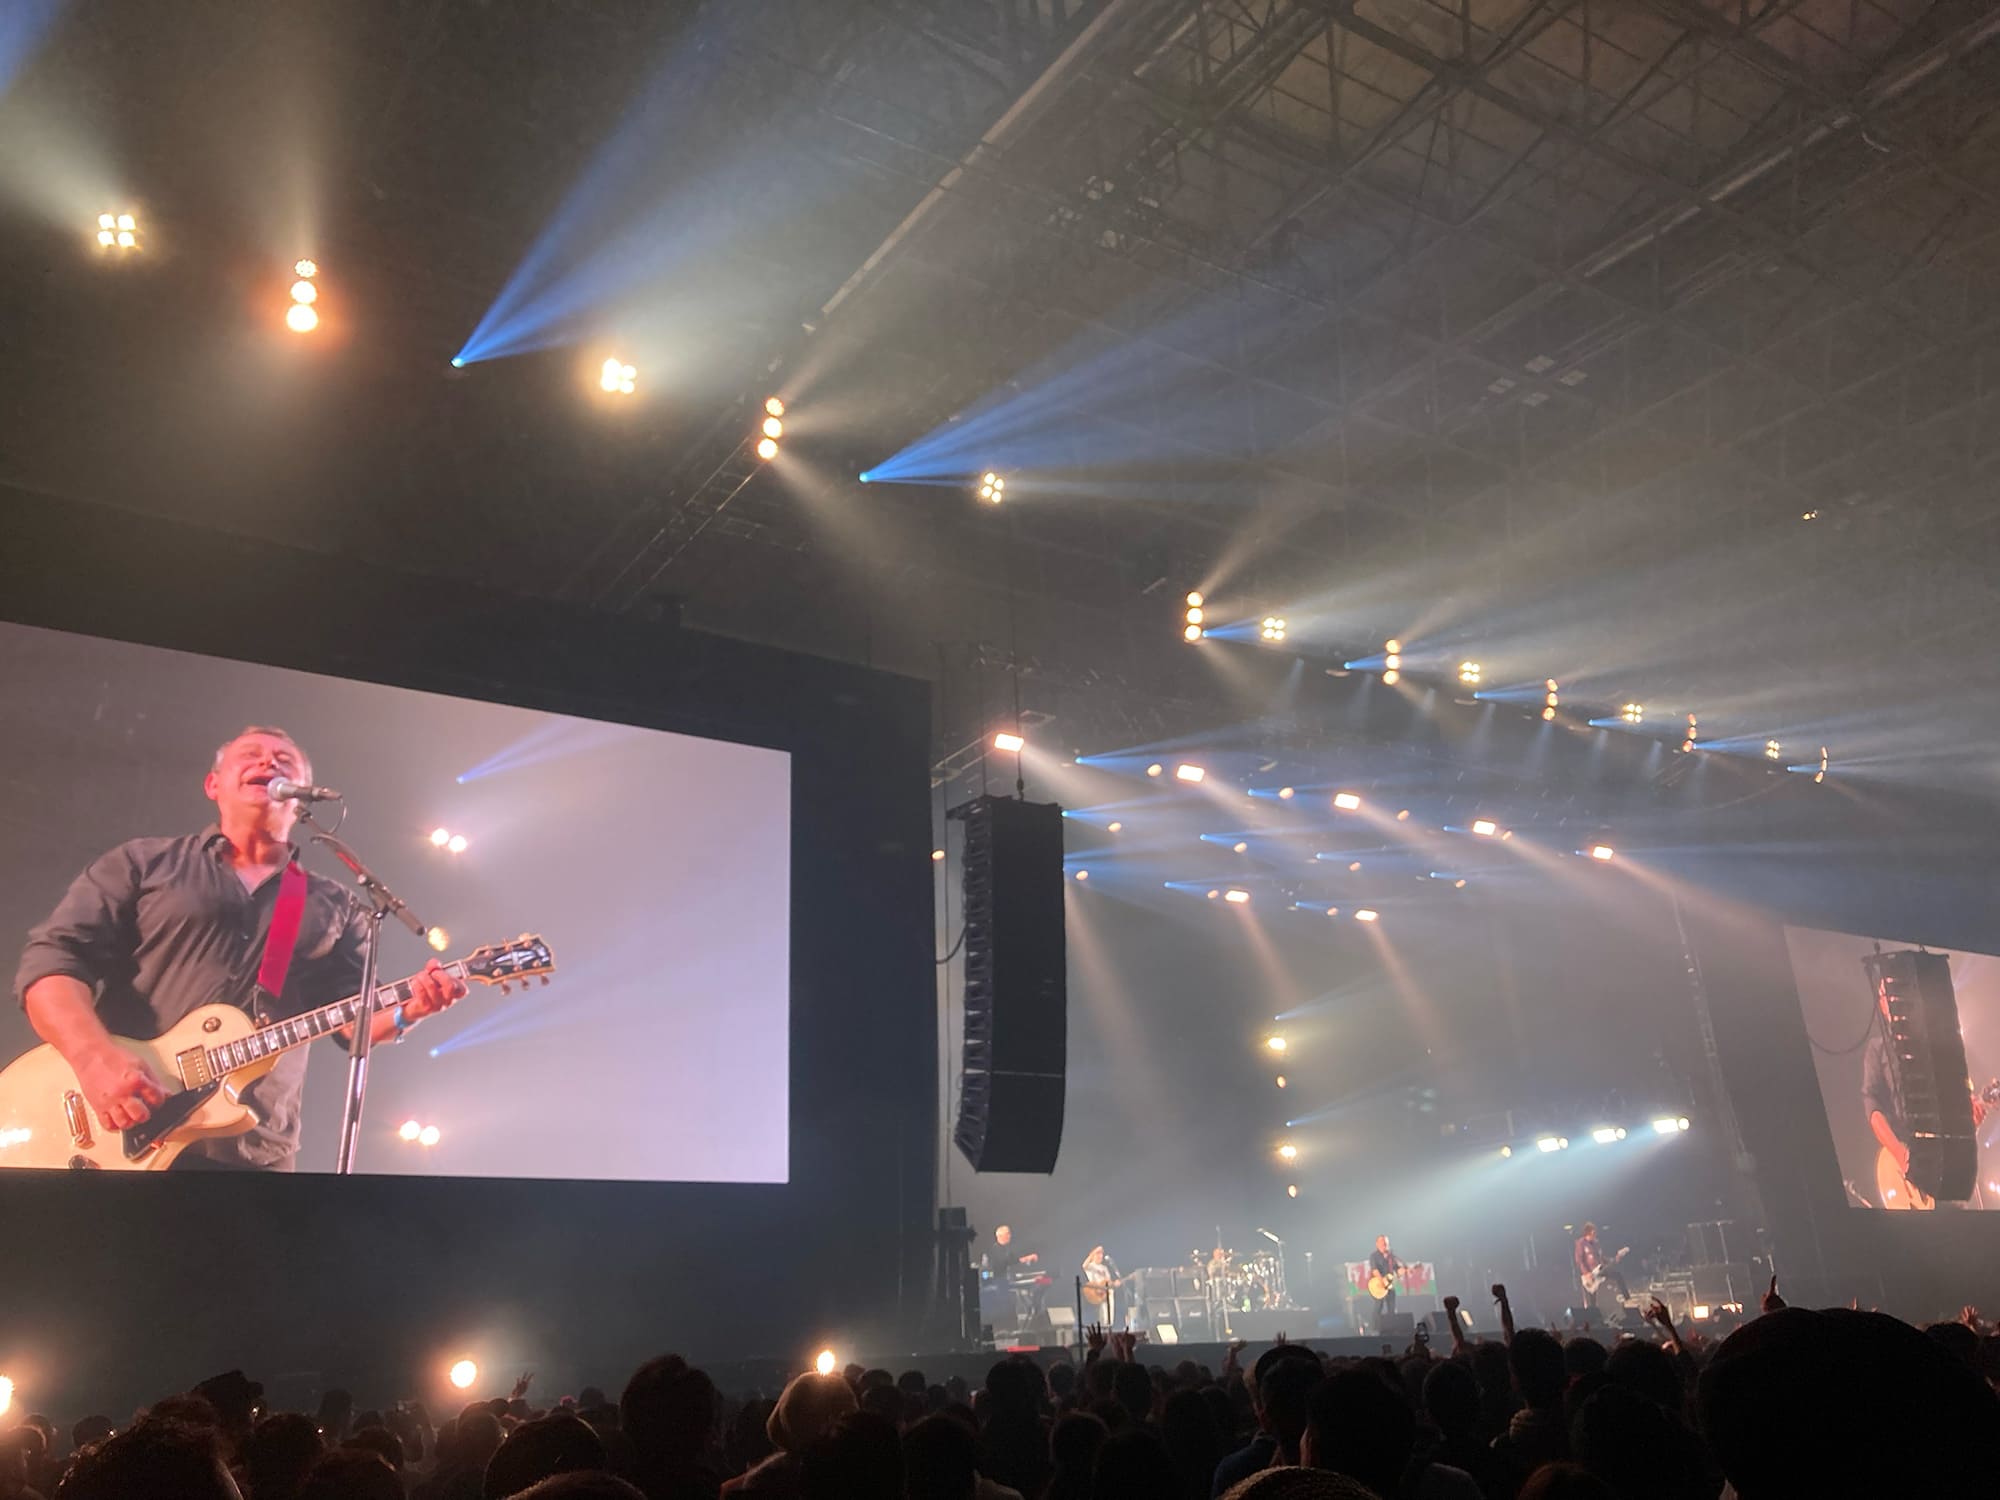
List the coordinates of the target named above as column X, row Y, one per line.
column 160, row 926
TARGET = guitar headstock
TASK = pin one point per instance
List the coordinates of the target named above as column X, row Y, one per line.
column 504, row 964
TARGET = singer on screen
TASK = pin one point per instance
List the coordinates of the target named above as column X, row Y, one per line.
column 160, row 926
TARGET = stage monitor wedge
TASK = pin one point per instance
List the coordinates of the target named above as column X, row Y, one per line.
column 1010, row 1109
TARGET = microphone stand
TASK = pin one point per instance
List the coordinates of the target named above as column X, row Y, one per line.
column 382, row 902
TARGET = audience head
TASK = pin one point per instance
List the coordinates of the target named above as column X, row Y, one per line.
column 153, row 1459
column 1359, row 1425
column 538, row 1450
column 92, row 1429
column 475, row 1439
column 1648, row 1369
column 1584, row 1356
column 1566, row 1481
column 277, row 1453
column 1014, row 1388
column 1133, row 1464
column 380, row 1441
column 350, row 1474
column 861, row 1458
column 1284, row 1400
column 1132, row 1388
column 1451, row 1398
column 911, row 1383
column 668, row 1411
column 940, row 1460
column 1535, row 1358
column 1791, row 1400
column 1074, row 1442
column 1299, row 1484
column 808, row 1410
column 1957, row 1340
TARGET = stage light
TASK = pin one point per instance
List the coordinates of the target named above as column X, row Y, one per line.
column 617, row 377
column 1286, row 793
column 1277, row 1044
column 1392, row 677
column 1346, row 801
column 1552, row 699
column 1548, row 713
column 430, row 1135
column 1701, row 1311
column 773, row 428
column 1548, row 1144
column 410, row 1130
column 1213, row 894
column 824, row 1362
column 1154, row 769
column 121, row 230
column 6, row 1394
column 774, row 407
column 1468, row 672
column 1273, row 628
column 1195, row 599
column 1366, row 915
column 1281, row 1080
column 438, row 938
column 1288, row 1152
column 992, row 488
column 1187, row 773
column 1113, row 827
column 1604, row 1135
column 1458, row 884
column 300, row 318
column 1236, row 897
column 1190, row 632
column 1667, row 1125
column 1392, row 662
column 1083, row 874
column 1633, row 713
column 1012, row 743
column 1403, row 816
column 1602, row 852
column 458, row 843
column 463, row 1374
column 1333, row 911
column 1394, row 648
column 1693, row 735
column 1485, row 827
column 1353, row 866
column 304, row 291
column 1196, row 615
column 1505, row 1152
column 1820, row 775
column 1773, row 750
column 937, row 856
column 1239, row 847
column 440, row 836
column 1681, row 1123
column 766, row 449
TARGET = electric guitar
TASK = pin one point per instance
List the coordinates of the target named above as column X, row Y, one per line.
column 207, row 1059
column 1894, row 1189
column 1592, row 1280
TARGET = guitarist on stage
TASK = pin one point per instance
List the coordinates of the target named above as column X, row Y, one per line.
column 160, row 926
column 1385, row 1264
column 1882, row 1095
column 1590, row 1262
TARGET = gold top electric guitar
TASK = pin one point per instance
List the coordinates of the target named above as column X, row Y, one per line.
column 207, row 1058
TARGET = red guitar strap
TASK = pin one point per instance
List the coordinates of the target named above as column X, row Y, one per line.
column 284, row 934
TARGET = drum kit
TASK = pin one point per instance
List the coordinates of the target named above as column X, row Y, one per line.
column 1246, row 1283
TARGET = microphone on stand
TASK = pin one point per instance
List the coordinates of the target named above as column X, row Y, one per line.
column 281, row 790
column 1268, row 1235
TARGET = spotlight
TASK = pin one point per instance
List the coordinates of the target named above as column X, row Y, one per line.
column 1113, row 827
column 1154, row 769
column 1277, row 1044
column 1191, row 631
column 1333, row 911
column 1013, row 743
column 1602, row 852
column 773, row 428
column 767, row 449
column 1236, row 897
column 1668, row 1125
column 1394, row 648
column 1485, row 827
column 1392, row 677
column 1273, row 628
column 1195, row 599
column 617, row 377
column 1773, row 750
column 1213, row 894
column 411, row 1130
column 1187, row 773
column 1241, row 846
column 1083, row 874
column 1693, row 735
column 1549, row 1144
column 1681, row 1123
column 992, row 488
column 774, row 407
column 120, row 230
column 937, row 856
column 1604, row 1135
column 1468, row 672
column 1633, row 713
column 1551, row 700
column 1346, row 801
column 463, row 1374
column 824, row 1362
column 1403, row 816
column 438, row 938
column 1367, row 915
column 304, row 291
column 1458, row 884
column 430, row 1135
column 1286, row 793
column 1353, row 867
column 301, row 318
column 1820, row 775
column 1700, row 1311
column 1506, row 1152
column 1281, row 1080
column 1288, row 1152
column 440, row 836
column 1292, row 1190
column 458, row 843
column 1196, row 615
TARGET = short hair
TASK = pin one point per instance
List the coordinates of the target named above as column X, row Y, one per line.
column 540, row 1450
column 275, row 733
column 351, row 1474
column 154, row 1459
column 669, row 1409
column 1588, row 1227
column 1361, row 1426
column 1540, row 1369
column 374, row 1438
column 940, row 1460
column 277, row 1452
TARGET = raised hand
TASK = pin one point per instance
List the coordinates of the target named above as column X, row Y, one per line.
column 521, row 1386
column 1499, row 1291
column 1451, row 1305
column 1772, row 1301
column 1094, row 1337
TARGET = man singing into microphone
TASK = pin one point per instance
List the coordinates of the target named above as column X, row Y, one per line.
column 160, row 926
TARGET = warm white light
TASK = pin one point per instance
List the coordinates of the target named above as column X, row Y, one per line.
column 1196, row 616
column 774, row 407
column 430, row 1135
column 773, row 427
column 1288, row 1152
column 438, row 938
column 1353, row 867
column 1485, row 827
column 824, row 1362
column 106, row 221
column 1505, row 1152
column 1773, row 750
column 300, row 318
column 1392, row 661
column 1604, row 1135
column 106, row 237
column 1366, row 915
column 1285, row 793
column 1191, row 632
column 1392, row 647
column 1602, row 851
column 1392, row 677
column 1682, row 1122
column 1468, row 671
column 1549, row 712
column 1701, row 1311
column 1195, row 600
column 1012, row 743
column 410, row 1130
column 1273, row 628
column 766, row 448
column 127, row 222
column 1240, row 847
column 458, row 843
column 1281, row 1080
column 126, row 239
column 1238, row 897
column 1083, row 874
column 1458, row 884
column 1187, row 773
column 1666, row 1125
column 463, row 1374
column 1346, row 801
column 937, row 856
column 1333, row 911
column 1403, row 816
column 440, row 836
column 1154, row 769
column 6, row 1394
column 1292, row 1190
column 1113, row 827
column 618, row 378
column 304, row 291
column 1633, row 713
column 1277, row 1044
column 1550, row 1143
column 306, row 268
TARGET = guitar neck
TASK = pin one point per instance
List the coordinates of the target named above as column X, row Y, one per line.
column 296, row 1031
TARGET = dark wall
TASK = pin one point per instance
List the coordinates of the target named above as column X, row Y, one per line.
column 118, row 1289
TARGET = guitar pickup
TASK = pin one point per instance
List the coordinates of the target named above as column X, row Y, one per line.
column 76, row 1115
column 193, row 1066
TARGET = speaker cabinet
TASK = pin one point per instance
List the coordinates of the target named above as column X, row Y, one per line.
column 1927, row 1064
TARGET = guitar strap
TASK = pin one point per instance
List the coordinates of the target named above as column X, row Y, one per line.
column 284, row 934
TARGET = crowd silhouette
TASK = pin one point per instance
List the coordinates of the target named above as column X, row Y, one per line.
column 1795, row 1402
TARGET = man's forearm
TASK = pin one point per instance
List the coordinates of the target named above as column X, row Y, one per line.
column 1879, row 1123
column 63, row 1012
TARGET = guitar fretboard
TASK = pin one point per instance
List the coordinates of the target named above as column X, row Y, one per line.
column 296, row 1031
